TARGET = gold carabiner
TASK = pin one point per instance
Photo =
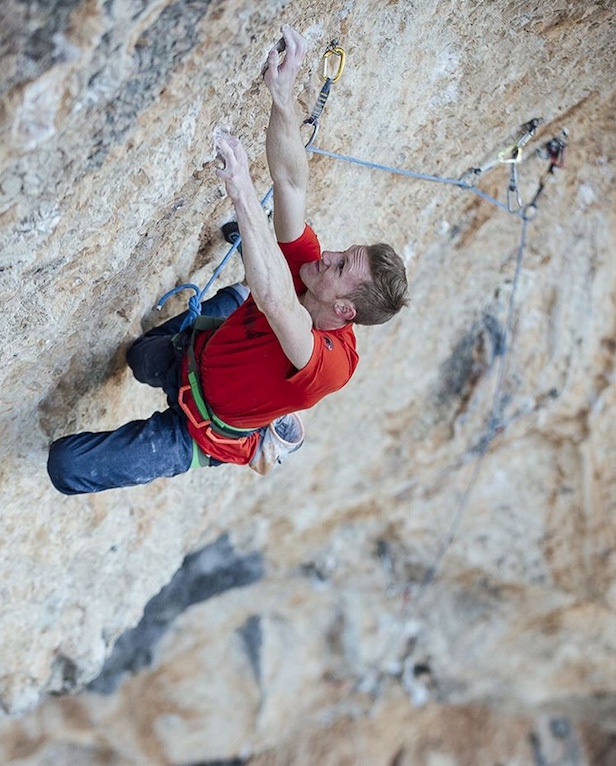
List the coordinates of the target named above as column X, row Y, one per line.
column 333, row 50
column 511, row 155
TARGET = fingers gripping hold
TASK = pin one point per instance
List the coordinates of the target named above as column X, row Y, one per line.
column 285, row 57
column 235, row 172
column 273, row 57
column 295, row 43
column 223, row 153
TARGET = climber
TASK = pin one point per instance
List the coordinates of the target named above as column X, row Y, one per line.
column 281, row 349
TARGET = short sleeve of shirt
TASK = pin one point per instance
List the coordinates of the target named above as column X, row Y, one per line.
column 302, row 250
column 333, row 362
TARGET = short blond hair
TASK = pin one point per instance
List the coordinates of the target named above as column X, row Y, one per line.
column 380, row 298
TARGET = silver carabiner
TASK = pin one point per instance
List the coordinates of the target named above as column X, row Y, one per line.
column 315, row 130
column 513, row 192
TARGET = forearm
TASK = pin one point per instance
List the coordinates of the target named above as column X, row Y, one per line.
column 267, row 272
column 286, row 155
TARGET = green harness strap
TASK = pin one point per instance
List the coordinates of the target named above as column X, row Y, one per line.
column 218, row 425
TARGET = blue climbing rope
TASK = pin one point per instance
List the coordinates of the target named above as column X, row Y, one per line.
column 194, row 302
column 413, row 174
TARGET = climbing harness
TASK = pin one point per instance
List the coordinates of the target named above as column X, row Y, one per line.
column 333, row 49
column 276, row 441
column 191, row 398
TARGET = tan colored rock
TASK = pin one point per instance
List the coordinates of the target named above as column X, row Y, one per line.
column 108, row 198
column 215, row 693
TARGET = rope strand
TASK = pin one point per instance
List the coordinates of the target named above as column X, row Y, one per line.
column 413, row 174
column 194, row 302
column 494, row 423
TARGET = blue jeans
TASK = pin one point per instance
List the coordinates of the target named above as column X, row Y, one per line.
column 142, row 450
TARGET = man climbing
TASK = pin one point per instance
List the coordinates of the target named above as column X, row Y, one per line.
column 282, row 349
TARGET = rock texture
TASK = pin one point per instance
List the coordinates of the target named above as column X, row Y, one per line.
column 108, row 198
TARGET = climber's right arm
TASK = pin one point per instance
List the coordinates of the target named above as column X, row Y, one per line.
column 267, row 271
column 286, row 155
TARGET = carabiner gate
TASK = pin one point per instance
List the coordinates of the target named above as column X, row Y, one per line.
column 333, row 50
column 315, row 129
column 514, row 198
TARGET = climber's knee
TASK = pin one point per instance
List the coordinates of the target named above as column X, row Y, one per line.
column 63, row 467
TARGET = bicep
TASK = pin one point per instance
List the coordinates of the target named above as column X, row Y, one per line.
column 289, row 211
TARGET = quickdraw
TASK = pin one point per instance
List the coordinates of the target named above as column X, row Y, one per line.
column 554, row 151
column 333, row 49
column 512, row 155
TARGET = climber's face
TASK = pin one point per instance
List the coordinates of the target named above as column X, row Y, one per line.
column 335, row 276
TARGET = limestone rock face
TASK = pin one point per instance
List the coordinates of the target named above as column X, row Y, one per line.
column 440, row 557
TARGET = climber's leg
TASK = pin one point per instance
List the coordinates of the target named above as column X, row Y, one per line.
column 136, row 453
column 153, row 358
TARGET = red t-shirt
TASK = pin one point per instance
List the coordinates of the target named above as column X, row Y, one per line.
column 248, row 381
